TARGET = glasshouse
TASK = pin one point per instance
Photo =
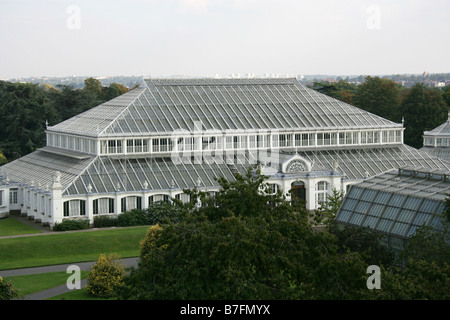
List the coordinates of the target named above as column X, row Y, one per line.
column 437, row 141
column 397, row 202
column 168, row 135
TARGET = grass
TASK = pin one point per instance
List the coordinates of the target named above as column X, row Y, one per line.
column 61, row 248
column 31, row 283
column 80, row 294
column 11, row 226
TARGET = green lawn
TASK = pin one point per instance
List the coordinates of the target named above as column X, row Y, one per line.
column 37, row 282
column 10, row 226
column 80, row 294
column 61, row 248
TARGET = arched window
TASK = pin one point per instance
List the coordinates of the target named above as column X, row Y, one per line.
column 73, row 208
column 273, row 188
column 158, row 198
column 103, row 205
column 130, row 203
column 321, row 192
column 185, row 198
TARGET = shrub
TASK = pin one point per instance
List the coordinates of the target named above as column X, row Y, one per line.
column 105, row 221
column 67, row 225
column 134, row 217
column 161, row 212
column 7, row 291
column 105, row 276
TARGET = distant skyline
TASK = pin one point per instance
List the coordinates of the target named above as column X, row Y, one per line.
column 161, row 38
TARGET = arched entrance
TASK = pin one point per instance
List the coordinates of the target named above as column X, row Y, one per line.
column 298, row 191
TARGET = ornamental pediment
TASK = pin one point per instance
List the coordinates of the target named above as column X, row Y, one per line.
column 296, row 164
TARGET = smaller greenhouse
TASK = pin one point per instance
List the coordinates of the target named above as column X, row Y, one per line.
column 437, row 141
column 397, row 202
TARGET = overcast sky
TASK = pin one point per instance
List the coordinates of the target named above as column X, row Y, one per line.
column 161, row 38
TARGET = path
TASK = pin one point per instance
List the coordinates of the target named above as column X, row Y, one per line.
column 84, row 266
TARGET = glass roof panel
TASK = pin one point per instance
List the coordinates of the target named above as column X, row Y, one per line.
column 159, row 105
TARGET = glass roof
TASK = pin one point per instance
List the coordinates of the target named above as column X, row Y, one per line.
column 106, row 173
column 163, row 106
column 395, row 203
column 38, row 168
column 109, row 174
column 442, row 130
column 443, row 153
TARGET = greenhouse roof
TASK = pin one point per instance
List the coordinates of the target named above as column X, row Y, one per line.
column 111, row 174
column 163, row 106
column 442, row 130
column 440, row 152
column 397, row 202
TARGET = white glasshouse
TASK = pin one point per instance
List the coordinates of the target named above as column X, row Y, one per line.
column 167, row 135
column 437, row 141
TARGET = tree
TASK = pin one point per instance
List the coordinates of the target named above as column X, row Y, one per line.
column 341, row 90
column 429, row 243
column 114, row 90
column 105, row 276
column 379, row 96
column 7, row 290
column 3, row 159
column 261, row 249
column 24, row 110
column 328, row 210
column 423, row 109
column 69, row 101
column 365, row 241
column 446, row 95
column 419, row 280
column 94, row 86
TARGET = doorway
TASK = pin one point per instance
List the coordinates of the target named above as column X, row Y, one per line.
column 298, row 191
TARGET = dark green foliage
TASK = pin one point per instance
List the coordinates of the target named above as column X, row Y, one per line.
column 327, row 212
column 365, row 241
column 234, row 258
column 429, row 244
column 26, row 108
column 133, row 218
column 159, row 212
column 446, row 95
column 424, row 109
column 446, row 213
column 105, row 221
column 341, row 90
column 257, row 248
column 215, row 253
column 69, row 224
column 69, row 102
column 379, row 96
column 7, row 290
column 162, row 212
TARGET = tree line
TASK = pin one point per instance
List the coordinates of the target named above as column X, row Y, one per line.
column 421, row 108
column 26, row 109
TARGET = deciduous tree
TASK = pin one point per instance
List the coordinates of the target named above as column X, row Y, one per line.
column 379, row 96
column 423, row 109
